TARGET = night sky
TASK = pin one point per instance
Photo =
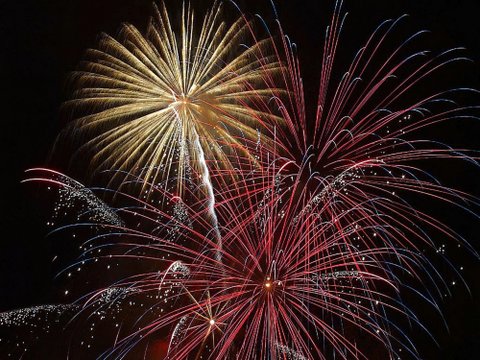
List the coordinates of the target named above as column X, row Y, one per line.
column 42, row 41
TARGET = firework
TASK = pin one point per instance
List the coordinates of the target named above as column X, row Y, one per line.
column 363, row 146
column 23, row 331
column 75, row 196
column 164, row 104
column 281, row 285
column 305, row 244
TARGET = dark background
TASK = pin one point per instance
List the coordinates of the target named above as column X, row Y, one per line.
column 42, row 41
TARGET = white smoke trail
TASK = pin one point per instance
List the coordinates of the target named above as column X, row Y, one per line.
column 211, row 196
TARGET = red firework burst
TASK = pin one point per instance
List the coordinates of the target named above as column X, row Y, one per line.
column 273, row 281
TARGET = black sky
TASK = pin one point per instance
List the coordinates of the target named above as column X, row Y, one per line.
column 42, row 41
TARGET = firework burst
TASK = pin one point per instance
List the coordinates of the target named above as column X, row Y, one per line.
column 363, row 146
column 305, row 244
column 163, row 104
column 281, row 285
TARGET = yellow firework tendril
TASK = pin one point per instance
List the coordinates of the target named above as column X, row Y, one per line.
column 146, row 100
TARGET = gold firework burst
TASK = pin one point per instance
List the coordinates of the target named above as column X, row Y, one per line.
column 169, row 102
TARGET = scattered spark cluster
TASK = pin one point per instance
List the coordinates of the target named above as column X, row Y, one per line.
column 20, row 317
column 288, row 353
column 73, row 196
column 21, row 329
